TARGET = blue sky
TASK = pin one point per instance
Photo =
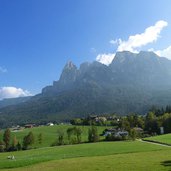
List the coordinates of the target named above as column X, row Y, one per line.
column 37, row 37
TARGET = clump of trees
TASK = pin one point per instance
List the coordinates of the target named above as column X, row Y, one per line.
column 5, row 144
column 101, row 121
column 151, row 123
column 74, row 135
column 11, row 143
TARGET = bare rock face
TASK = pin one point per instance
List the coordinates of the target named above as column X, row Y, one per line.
column 69, row 74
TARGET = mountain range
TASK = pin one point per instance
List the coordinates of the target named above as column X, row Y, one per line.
column 132, row 83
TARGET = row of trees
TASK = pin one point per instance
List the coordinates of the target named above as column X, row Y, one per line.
column 12, row 144
column 74, row 135
column 151, row 123
column 89, row 121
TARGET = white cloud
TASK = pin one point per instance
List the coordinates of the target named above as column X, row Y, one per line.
column 150, row 35
column 135, row 42
column 117, row 41
column 12, row 92
column 164, row 53
column 3, row 70
column 105, row 58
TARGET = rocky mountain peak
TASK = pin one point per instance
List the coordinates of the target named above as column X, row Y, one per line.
column 70, row 65
column 69, row 73
column 123, row 56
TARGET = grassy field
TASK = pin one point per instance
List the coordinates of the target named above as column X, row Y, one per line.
column 90, row 152
column 111, row 156
column 166, row 139
column 49, row 134
column 141, row 161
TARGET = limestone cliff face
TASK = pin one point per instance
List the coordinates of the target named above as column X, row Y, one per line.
column 128, row 69
column 69, row 74
column 67, row 80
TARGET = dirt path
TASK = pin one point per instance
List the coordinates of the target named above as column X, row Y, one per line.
column 155, row 143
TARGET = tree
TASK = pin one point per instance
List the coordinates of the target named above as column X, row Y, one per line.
column 74, row 135
column 167, row 125
column 15, row 141
column 152, row 127
column 69, row 133
column 151, row 124
column 150, row 116
column 2, row 146
column 60, row 134
column 124, row 124
column 93, row 134
column 133, row 134
column 28, row 140
column 78, row 132
column 14, row 144
column 40, row 138
column 18, row 146
column 6, row 138
column 168, row 109
column 77, row 121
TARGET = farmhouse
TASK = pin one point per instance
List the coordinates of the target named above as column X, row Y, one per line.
column 16, row 129
column 29, row 126
column 115, row 132
column 50, row 124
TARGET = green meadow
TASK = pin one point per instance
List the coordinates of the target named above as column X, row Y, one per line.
column 49, row 134
column 146, row 161
column 101, row 156
column 88, row 156
column 165, row 139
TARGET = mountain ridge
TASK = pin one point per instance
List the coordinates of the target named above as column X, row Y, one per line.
column 131, row 83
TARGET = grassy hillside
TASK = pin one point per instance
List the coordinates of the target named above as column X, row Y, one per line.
column 119, row 156
column 78, row 152
column 146, row 161
column 49, row 134
column 165, row 139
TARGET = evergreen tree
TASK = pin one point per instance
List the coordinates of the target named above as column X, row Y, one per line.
column 6, row 138
column 18, row 146
column 28, row 140
column 14, row 144
column 40, row 138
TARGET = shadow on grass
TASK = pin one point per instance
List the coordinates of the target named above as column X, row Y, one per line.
column 167, row 163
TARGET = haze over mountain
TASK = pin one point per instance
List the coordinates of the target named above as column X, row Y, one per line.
column 13, row 101
column 131, row 83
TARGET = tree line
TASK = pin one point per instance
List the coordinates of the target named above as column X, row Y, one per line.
column 12, row 144
column 74, row 136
